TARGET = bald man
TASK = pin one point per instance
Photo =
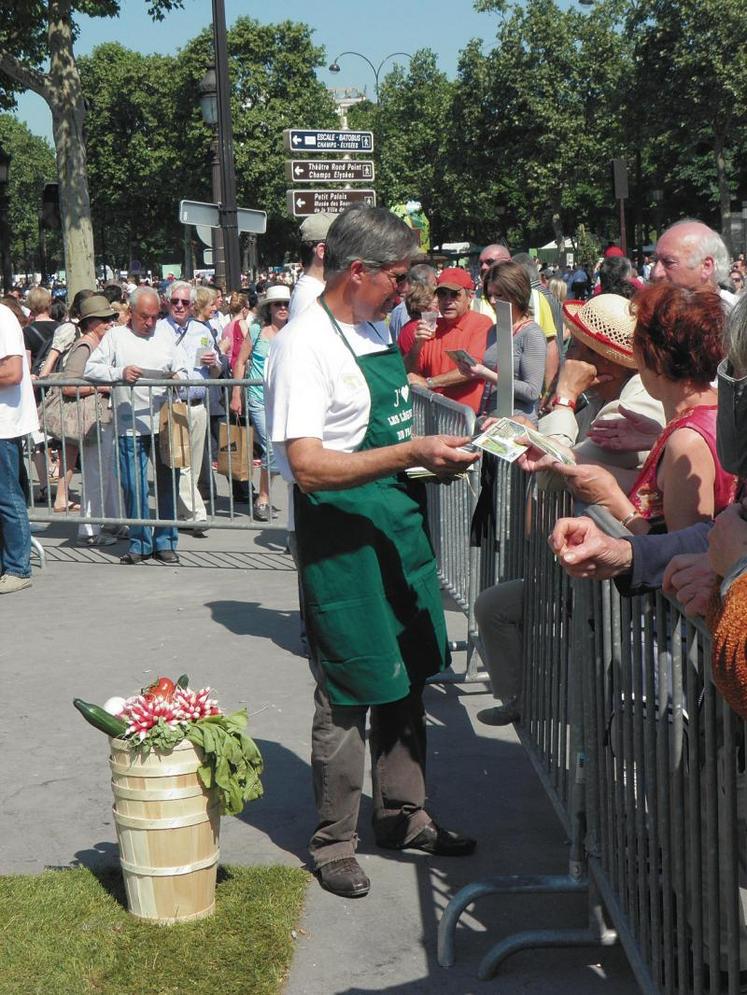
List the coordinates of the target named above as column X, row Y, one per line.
column 489, row 256
column 691, row 255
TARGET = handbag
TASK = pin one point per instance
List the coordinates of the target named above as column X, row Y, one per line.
column 173, row 435
column 70, row 419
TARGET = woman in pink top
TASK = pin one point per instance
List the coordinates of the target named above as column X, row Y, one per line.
column 678, row 343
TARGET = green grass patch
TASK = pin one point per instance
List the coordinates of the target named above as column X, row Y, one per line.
column 67, row 932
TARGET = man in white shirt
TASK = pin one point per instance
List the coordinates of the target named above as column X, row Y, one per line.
column 18, row 418
column 339, row 416
column 127, row 354
column 198, row 344
column 311, row 283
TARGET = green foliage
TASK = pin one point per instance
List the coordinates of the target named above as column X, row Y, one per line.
column 246, row 946
column 410, row 134
column 32, row 165
column 233, row 764
column 148, row 147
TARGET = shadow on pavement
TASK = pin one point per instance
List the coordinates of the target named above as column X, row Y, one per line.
column 250, row 618
column 285, row 813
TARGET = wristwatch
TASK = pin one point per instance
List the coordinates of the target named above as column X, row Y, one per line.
column 429, row 383
column 563, row 402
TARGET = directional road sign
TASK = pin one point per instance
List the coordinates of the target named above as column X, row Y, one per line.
column 330, row 171
column 195, row 212
column 304, row 202
column 298, row 140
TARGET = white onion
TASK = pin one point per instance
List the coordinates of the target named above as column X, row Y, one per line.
column 114, row 705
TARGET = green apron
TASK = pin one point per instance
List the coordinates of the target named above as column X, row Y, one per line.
column 373, row 607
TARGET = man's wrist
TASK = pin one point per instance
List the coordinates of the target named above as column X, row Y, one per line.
column 563, row 400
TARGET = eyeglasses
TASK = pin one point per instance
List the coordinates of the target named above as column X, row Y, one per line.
column 177, row 301
column 396, row 279
column 279, row 303
column 446, row 292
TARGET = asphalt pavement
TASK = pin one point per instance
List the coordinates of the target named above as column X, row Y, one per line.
column 91, row 628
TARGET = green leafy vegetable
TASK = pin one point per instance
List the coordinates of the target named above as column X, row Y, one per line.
column 233, row 764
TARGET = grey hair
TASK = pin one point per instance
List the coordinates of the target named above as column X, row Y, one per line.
column 178, row 284
column 140, row 292
column 421, row 275
column 710, row 244
column 736, row 336
column 371, row 234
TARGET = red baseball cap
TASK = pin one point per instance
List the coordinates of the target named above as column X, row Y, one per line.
column 455, row 279
column 613, row 251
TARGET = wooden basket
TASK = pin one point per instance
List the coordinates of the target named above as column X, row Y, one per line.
column 168, row 826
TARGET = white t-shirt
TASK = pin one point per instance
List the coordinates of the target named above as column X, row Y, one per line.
column 137, row 408
column 17, row 405
column 313, row 386
column 304, row 293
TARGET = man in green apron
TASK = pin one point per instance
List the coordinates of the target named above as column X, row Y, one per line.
column 339, row 413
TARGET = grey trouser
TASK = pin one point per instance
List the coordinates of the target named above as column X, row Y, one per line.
column 338, row 751
column 499, row 611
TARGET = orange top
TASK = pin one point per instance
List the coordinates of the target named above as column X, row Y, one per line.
column 470, row 333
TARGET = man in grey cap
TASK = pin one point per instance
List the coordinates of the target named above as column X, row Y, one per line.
column 313, row 235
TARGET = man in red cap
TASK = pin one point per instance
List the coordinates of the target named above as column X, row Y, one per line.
column 458, row 327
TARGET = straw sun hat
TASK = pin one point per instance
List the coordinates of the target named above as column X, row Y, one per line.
column 605, row 324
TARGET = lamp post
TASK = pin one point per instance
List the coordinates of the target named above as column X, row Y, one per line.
column 7, row 271
column 335, row 68
column 219, row 106
column 208, row 96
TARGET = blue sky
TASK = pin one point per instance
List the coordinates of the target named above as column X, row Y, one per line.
column 374, row 29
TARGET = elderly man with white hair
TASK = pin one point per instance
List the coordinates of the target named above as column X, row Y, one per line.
column 690, row 254
column 128, row 353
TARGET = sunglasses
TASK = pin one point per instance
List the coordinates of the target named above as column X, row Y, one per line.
column 446, row 292
column 180, row 300
column 279, row 303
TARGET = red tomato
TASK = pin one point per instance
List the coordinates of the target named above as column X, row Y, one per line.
column 164, row 687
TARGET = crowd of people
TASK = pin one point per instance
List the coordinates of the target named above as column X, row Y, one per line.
column 637, row 376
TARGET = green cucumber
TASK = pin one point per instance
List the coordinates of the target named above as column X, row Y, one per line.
column 100, row 719
column 183, row 681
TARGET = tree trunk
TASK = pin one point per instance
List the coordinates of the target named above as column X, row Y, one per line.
column 724, row 192
column 65, row 98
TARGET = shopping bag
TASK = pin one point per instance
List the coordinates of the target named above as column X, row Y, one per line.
column 235, row 450
column 173, row 435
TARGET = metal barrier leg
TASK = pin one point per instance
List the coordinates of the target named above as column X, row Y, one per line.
column 37, row 548
column 510, row 884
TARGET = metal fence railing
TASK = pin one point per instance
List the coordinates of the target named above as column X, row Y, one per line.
column 450, row 510
column 102, row 449
column 644, row 764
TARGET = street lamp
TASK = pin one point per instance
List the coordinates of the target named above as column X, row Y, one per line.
column 208, row 97
column 228, row 219
column 335, row 68
column 7, row 272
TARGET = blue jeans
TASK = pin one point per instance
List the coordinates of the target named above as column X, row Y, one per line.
column 256, row 411
column 134, row 453
column 15, row 534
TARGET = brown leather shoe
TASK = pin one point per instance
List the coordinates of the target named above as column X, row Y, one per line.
column 344, row 877
column 437, row 841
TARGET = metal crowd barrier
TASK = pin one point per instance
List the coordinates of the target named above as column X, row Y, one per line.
column 644, row 764
column 97, row 458
column 450, row 510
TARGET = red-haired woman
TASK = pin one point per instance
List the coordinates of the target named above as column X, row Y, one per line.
column 678, row 343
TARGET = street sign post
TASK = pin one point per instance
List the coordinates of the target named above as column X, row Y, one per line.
column 301, row 140
column 195, row 212
column 302, row 203
column 330, row 171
